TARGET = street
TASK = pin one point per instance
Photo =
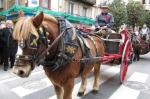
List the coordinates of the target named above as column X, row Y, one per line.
column 37, row 86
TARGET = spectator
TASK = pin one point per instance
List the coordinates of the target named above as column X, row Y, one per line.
column 10, row 46
column 2, row 25
column 144, row 32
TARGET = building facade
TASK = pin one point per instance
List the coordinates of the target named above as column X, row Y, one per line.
column 85, row 8
column 6, row 4
column 146, row 4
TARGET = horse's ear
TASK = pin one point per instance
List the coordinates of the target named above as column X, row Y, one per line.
column 37, row 20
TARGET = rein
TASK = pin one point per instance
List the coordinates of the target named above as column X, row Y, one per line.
column 40, row 55
column 40, row 58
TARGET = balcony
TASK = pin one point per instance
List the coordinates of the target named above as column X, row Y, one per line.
column 89, row 2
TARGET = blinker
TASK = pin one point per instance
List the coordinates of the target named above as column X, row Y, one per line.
column 33, row 42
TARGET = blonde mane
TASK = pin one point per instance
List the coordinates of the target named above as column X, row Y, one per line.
column 23, row 28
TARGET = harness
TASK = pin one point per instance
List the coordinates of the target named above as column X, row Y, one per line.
column 66, row 49
column 67, row 46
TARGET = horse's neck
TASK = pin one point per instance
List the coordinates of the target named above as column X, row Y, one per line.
column 52, row 32
column 51, row 27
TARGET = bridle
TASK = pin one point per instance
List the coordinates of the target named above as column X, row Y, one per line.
column 37, row 57
column 33, row 44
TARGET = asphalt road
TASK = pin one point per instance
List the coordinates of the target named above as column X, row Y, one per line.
column 37, row 86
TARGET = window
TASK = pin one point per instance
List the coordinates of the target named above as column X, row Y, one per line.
column 70, row 7
column 11, row 3
column 143, row 2
column 84, row 11
column 21, row 2
column 1, row 3
column 45, row 3
column 33, row 3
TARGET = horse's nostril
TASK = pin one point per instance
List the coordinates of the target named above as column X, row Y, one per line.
column 21, row 72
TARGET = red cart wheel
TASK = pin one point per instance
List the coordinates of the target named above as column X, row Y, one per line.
column 126, row 58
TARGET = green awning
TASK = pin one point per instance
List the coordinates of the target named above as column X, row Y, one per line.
column 35, row 10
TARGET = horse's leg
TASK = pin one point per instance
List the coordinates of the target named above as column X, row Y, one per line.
column 58, row 89
column 96, row 78
column 84, row 76
column 135, row 53
column 68, row 88
column 138, row 55
column 59, row 92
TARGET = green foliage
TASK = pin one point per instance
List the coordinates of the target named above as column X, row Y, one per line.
column 132, row 14
column 136, row 13
column 147, row 18
column 118, row 9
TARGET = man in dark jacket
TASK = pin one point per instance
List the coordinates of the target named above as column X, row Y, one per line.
column 104, row 20
column 9, row 45
column 1, row 47
column 2, row 25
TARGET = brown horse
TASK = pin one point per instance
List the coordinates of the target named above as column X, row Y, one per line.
column 63, row 77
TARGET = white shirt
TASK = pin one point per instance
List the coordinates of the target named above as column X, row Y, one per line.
column 136, row 33
column 144, row 31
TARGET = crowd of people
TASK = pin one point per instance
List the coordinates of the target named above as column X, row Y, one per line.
column 142, row 32
column 8, row 46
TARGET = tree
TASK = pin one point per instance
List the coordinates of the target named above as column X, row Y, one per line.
column 118, row 9
column 147, row 21
column 136, row 13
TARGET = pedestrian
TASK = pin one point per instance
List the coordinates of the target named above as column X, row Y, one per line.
column 2, row 25
column 136, row 43
column 144, row 32
column 9, row 45
column 1, row 47
column 137, row 32
column 13, row 45
column 104, row 20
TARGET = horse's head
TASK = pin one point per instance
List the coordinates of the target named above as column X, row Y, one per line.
column 32, row 40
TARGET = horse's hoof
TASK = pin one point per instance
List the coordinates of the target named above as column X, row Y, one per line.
column 95, row 91
column 80, row 94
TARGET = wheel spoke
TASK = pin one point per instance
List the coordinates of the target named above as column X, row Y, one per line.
column 125, row 63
